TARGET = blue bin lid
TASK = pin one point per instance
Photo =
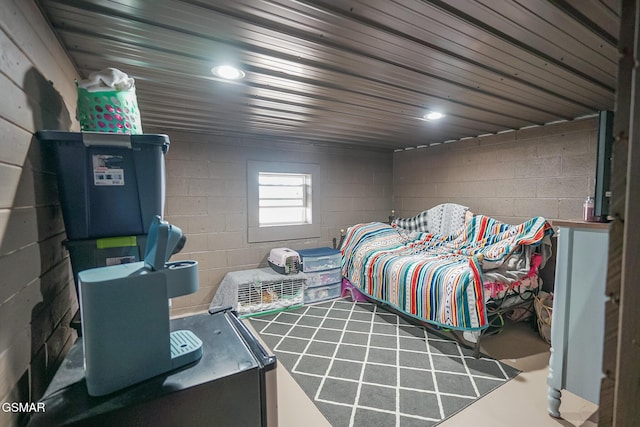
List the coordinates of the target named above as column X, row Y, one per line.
column 317, row 252
column 104, row 139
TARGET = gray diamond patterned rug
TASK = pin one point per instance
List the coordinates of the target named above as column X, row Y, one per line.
column 364, row 366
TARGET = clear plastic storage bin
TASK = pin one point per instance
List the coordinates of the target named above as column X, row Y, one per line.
column 319, row 259
column 321, row 293
column 324, row 278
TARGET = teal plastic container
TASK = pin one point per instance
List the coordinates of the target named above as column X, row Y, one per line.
column 109, row 111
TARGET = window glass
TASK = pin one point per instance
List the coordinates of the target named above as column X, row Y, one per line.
column 284, row 198
column 281, row 201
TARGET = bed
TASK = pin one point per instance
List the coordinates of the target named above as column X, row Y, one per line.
column 464, row 281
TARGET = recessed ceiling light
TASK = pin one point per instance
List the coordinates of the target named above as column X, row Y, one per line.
column 228, row 72
column 433, row 115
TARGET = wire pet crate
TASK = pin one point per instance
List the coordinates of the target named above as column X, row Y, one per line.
column 260, row 296
column 259, row 291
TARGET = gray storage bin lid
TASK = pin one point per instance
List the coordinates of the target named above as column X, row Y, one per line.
column 104, row 139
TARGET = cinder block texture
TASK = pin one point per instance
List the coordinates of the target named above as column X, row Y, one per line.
column 207, row 198
column 546, row 171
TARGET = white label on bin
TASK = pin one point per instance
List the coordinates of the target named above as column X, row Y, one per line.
column 107, row 170
column 120, row 260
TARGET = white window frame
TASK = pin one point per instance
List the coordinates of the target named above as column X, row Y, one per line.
column 269, row 233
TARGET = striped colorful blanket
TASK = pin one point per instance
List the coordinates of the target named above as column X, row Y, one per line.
column 435, row 278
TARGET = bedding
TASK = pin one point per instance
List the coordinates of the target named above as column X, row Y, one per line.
column 446, row 280
column 445, row 218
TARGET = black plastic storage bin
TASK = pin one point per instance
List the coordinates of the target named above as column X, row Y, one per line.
column 109, row 184
column 93, row 253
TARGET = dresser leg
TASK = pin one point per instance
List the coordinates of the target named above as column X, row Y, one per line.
column 553, row 400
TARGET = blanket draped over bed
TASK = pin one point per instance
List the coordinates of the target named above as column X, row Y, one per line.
column 436, row 278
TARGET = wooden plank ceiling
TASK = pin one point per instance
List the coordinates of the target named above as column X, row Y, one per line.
column 351, row 72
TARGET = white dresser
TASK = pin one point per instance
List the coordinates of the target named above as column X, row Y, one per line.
column 577, row 329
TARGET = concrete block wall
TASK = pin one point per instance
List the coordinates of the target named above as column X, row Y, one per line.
column 207, row 199
column 37, row 296
column 542, row 171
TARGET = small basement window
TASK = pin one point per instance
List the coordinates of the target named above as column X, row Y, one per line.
column 284, row 198
column 280, row 201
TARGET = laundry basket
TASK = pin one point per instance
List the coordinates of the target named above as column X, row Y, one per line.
column 543, row 304
column 109, row 111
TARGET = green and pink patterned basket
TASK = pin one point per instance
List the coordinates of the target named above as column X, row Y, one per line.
column 109, row 111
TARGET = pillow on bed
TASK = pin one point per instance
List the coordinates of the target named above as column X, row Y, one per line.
column 416, row 223
column 444, row 219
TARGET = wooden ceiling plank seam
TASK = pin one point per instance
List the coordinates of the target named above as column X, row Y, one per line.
column 613, row 5
column 120, row 55
column 370, row 123
column 460, row 57
column 523, row 70
column 353, row 83
column 67, row 29
column 169, row 95
column 391, row 142
column 152, row 91
column 283, row 124
column 345, row 123
column 599, row 17
column 474, row 19
column 287, row 138
column 332, row 131
column 563, row 26
column 582, row 33
column 501, row 126
column 167, row 51
column 552, row 93
column 339, row 94
column 340, row 11
column 391, row 122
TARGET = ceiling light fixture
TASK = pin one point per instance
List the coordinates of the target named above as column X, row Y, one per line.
column 228, row 72
column 433, row 115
